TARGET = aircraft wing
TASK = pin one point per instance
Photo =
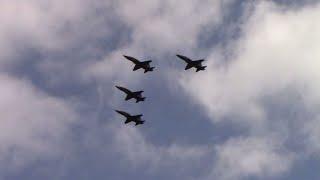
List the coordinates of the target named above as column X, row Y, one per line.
column 127, row 91
column 123, row 113
column 186, row 59
column 132, row 59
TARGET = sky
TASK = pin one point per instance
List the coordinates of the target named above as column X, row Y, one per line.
column 253, row 114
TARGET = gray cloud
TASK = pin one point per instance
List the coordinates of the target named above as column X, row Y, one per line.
column 33, row 124
column 242, row 158
column 275, row 58
column 78, row 47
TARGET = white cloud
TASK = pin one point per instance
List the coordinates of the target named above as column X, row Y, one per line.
column 47, row 26
column 279, row 50
column 277, row 55
column 138, row 151
column 241, row 158
column 311, row 130
column 158, row 28
column 33, row 124
column 163, row 26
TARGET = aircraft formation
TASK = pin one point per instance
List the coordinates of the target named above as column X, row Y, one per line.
column 137, row 95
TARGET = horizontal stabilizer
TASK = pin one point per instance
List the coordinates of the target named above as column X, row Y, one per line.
column 202, row 68
column 140, row 99
column 149, row 69
column 139, row 122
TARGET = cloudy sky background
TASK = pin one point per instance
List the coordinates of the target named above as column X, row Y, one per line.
column 253, row 114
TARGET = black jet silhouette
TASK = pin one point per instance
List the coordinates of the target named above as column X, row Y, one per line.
column 140, row 64
column 190, row 63
column 130, row 94
column 130, row 118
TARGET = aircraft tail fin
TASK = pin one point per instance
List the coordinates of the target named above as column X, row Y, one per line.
column 202, row 68
column 140, row 99
column 149, row 69
column 139, row 122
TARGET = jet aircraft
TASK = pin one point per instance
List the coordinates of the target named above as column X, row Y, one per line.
column 193, row 63
column 140, row 64
column 130, row 118
column 130, row 94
